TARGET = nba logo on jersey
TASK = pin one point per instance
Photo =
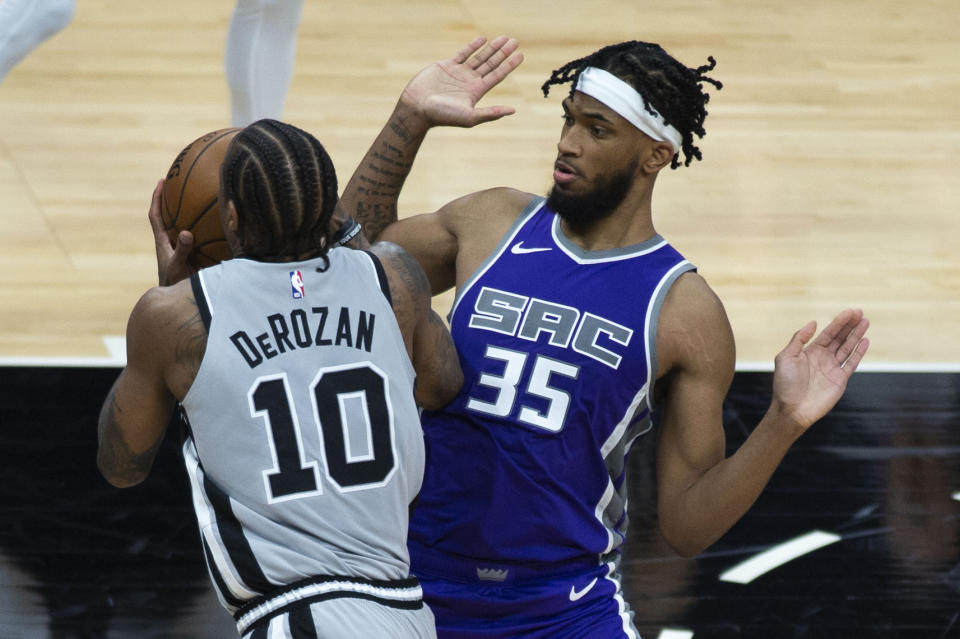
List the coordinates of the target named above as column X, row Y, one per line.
column 296, row 285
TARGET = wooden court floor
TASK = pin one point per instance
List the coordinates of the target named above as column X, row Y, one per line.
column 829, row 176
column 830, row 179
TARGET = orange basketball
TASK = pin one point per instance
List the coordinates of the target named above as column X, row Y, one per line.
column 188, row 201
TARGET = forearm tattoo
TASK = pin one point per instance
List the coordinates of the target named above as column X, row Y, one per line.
column 380, row 179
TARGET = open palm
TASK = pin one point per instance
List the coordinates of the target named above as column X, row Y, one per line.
column 446, row 93
column 810, row 379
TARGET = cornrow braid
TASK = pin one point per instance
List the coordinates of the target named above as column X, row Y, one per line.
column 667, row 86
column 284, row 186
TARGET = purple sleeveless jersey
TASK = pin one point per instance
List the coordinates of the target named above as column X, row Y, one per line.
column 525, row 470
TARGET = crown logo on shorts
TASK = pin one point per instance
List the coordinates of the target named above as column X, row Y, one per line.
column 492, row 574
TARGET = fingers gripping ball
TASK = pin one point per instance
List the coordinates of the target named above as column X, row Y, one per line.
column 188, row 201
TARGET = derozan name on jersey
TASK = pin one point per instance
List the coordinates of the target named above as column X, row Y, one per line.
column 302, row 330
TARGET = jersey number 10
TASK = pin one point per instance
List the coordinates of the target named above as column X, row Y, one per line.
column 353, row 418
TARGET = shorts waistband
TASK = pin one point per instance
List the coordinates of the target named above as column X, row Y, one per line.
column 432, row 563
column 405, row 594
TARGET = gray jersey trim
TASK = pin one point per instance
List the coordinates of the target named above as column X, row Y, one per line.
column 653, row 316
column 613, row 504
column 524, row 216
column 583, row 256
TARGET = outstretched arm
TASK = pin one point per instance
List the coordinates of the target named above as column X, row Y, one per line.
column 445, row 93
column 701, row 492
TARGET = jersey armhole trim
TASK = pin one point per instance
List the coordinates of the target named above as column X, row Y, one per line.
column 196, row 283
column 381, row 276
column 653, row 316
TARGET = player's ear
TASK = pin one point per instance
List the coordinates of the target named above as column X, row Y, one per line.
column 230, row 218
column 230, row 221
column 660, row 155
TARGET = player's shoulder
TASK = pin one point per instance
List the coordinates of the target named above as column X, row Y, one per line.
column 504, row 196
column 391, row 255
column 481, row 218
column 167, row 298
column 164, row 319
column 693, row 325
column 161, row 305
column 693, row 304
column 692, row 291
column 494, row 203
column 408, row 285
column 404, row 273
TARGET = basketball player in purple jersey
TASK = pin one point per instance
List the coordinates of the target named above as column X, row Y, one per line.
column 574, row 319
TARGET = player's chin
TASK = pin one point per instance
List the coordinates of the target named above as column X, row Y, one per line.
column 570, row 189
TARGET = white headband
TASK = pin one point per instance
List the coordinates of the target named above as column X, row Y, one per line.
column 628, row 103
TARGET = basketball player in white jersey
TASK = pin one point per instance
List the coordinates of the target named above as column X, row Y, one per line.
column 259, row 59
column 299, row 366
column 26, row 24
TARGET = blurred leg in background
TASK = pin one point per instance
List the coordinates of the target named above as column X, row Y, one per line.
column 261, row 50
column 26, row 24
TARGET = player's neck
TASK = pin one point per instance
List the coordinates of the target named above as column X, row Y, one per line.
column 630, row 223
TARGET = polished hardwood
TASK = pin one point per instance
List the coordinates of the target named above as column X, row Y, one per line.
column 829, row 176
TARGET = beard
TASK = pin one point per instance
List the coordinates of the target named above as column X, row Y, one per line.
column 580, row 211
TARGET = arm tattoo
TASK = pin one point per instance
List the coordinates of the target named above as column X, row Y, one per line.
column 411, row 274
column 377, row 183
column 191, row 342
column 399, row 129
column 114, row 457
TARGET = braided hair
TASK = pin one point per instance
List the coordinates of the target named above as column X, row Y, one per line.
column 673, row 90
column 284, row 187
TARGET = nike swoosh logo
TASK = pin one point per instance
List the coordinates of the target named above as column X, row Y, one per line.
column 519, row 249
column 575, row 595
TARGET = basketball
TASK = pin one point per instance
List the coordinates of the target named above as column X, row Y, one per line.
column 188, row 201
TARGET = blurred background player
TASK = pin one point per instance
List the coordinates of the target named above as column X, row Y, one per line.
column 299, row 368
column 26, row 24
column 260, row 55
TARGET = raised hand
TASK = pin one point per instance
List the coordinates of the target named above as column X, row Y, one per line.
column 809, row 380
column 172, row 265
column 446, row 92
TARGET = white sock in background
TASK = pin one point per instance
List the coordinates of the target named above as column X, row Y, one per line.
column 261, row 49
column 25, row 24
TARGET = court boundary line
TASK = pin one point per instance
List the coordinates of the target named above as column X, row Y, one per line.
column 118, row 360
column 115, row 345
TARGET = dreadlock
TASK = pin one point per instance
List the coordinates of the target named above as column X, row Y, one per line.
column 673, row 90
column 284, row 186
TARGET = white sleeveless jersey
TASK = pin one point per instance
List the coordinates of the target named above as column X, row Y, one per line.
column 304, row 446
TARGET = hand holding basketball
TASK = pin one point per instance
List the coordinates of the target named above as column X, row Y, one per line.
column 184, row 213
column 172, row 252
